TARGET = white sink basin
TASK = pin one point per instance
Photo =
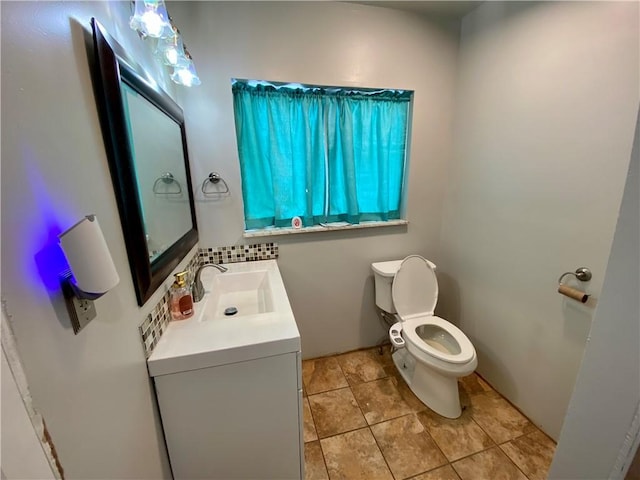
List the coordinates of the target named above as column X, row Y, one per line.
column 263, row 326
column 249, row 293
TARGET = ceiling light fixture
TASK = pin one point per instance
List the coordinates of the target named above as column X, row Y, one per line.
column 151, row 19
column 185, row 74
column 170, row 50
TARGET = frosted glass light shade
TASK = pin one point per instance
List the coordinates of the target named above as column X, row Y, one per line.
column 170, row 50
column 151, row 19
column 186, row 75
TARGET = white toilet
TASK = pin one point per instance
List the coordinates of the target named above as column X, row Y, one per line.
column 431, row 353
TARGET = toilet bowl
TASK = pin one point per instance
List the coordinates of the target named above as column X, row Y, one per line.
column 431, row 353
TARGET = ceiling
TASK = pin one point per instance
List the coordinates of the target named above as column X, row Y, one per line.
column 452, row 9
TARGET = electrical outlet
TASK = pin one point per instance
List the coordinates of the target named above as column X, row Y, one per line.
column 85, row 312
column 81, row 311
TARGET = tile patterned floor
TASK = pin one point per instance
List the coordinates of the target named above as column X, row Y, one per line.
column 361, row 421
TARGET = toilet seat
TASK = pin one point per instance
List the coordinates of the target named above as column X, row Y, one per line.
column 467, row 352
column 415, row 294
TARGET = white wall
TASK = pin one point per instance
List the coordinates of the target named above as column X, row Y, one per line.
column 91, row 389
column 607, row 391
column 547, row 98
column 22, row 452
column 327, row 275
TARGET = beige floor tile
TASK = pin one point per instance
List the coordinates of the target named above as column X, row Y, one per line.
column 380, row 400
column 473, row 384
column 322, row 374
column 414, row 403
column 354, row 456
column 386, row 355
column 310, row 433
column 343, row 394
column 498, row 418
column 443, row 473
column 391, row 370
column 362, row 366
column 407, row 447
column 457, row 437
column 335, row 412
column 314, row 467
column 491, row 464
column 532, row 453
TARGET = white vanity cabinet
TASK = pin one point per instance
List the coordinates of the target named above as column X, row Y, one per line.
column 230, row 388
column 240, row 420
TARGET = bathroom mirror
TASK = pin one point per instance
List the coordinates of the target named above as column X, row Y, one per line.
column 145, row 139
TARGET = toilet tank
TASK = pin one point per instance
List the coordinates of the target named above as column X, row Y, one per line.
column 383, row 275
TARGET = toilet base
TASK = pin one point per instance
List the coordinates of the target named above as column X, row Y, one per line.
column 436, row 391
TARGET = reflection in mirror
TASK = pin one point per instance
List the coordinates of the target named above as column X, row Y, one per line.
column 146, row 143
column 156, row 147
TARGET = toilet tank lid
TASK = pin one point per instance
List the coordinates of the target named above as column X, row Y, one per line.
column 389, row 269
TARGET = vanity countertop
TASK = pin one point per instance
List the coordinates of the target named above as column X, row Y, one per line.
column 208, row 339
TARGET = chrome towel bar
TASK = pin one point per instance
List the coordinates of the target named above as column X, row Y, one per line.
column 215, row 179
column 167, row 178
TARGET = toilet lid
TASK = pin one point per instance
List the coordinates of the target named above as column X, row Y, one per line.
column 415, row 288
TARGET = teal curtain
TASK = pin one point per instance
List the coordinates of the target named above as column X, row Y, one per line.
column 323, row 154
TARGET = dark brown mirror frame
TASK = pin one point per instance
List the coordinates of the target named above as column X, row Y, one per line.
column 111, row 70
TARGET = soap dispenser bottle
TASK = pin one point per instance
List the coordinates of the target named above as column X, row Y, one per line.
column 181, row 301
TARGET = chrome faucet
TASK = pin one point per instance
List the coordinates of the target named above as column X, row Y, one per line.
column 197, row 290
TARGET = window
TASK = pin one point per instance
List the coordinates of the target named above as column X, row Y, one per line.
column 323, row 154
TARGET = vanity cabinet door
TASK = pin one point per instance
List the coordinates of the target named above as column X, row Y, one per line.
column 233, row 421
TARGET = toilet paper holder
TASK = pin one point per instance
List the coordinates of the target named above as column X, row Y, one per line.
column 584, row 275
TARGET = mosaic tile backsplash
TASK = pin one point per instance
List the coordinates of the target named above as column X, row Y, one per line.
column 156, row 322
column 239, row 253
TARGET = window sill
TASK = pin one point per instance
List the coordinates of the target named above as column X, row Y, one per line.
column 268, row 232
